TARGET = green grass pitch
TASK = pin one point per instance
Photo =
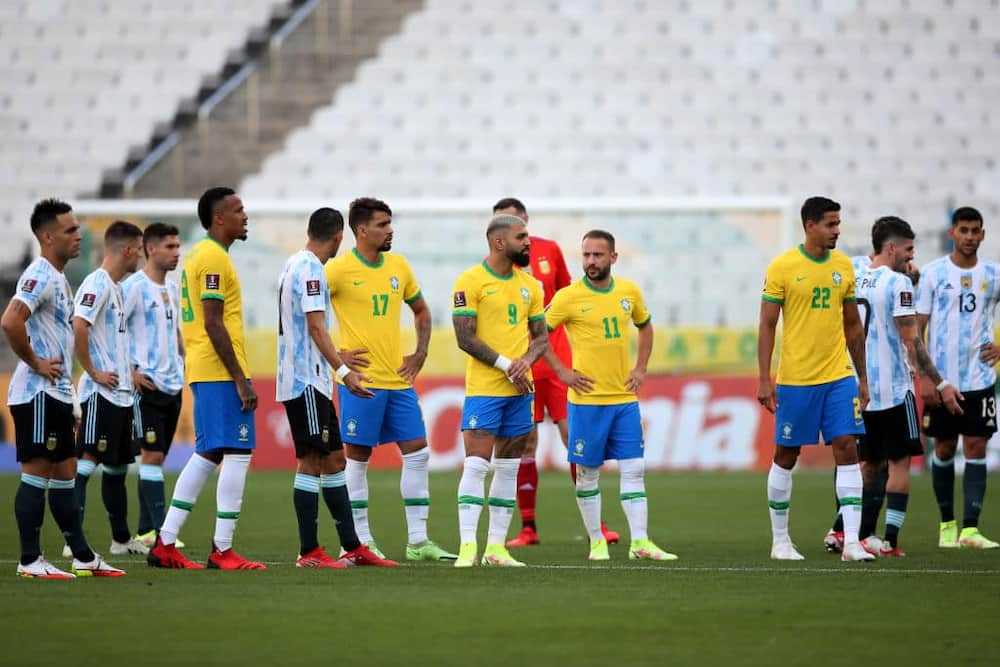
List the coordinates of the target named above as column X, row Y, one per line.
column 724, row 602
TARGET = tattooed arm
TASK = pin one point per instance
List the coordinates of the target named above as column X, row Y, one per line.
column 921, row 362
column 469, row 342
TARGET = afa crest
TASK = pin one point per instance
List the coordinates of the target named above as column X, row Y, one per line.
column 326, row 435
column 837, row 278
column 967, row 282
column 50, row 442
column 150, row 436
column 394, row 283
column 102, row 445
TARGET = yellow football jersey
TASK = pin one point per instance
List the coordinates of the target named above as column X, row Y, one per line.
column 812, row 295
column 368, row 301
column 209, row 274
column 503, row 306
column 597, row 324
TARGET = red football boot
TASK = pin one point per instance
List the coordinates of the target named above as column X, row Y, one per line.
column 525, row 538
column 167, row 555
column 230, row 560
column 320, row 559
column 365, row 556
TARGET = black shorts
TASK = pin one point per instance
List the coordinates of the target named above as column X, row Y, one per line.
column 891, row 434
column 106, row 432
column 43, row 429
column 156, row 414
column 314, row 424
column 980, row 418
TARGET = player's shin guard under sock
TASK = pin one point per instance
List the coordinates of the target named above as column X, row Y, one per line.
column 305, row 496
column 339, row 503
column 527, row 490
column 849, row 488
column 588, row 499
column 414, row 486
column 62, row 504
column 503, row 491
column 116, row 501
column 779, row 498
column 152, row 497
column 974, row 490
column 189, row 485
column 633, row 496
column 229, row 498
column 29, row 510
column 872, row 497
column 84, row 469
column 895, row 514
column 470, row 496
column 943, row 480
column 357, row 489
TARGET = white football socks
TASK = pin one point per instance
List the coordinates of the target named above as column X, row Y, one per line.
column 633, row 496
column 470, row 496
column 779, row 496
column 189, row 485
column 414, row 486
column 503, row 491
column 357, row 490
column 849, row 485
column 588, row 499
column 229, row 498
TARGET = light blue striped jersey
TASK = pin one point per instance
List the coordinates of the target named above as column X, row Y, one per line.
column 46, row 293
column 861, row 263
column 99, row 302
column 152, row 317
column 960, row 303
column 887, row 295
column 302, row 288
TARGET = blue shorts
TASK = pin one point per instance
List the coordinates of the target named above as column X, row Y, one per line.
column 219, row 420
column 598, row 433
column 832, row 409
column 391, row 415
column 503, row 416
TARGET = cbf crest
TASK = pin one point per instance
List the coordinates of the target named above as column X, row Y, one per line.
column 786, row 431
column 578, row 447
column 525, row 294
column 352, row 426
column 626, row 306
column 244, row 433
column 837, row 278
column 394, row 283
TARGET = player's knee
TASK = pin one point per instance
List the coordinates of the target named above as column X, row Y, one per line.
column 152, row 458
column 587, row 478
column 632, row 470
column 974, row 448
column 945, row 450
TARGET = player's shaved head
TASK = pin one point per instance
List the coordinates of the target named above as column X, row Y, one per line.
column 119, row 233
column 46, row 212
column 501, row 224
column 209, row 203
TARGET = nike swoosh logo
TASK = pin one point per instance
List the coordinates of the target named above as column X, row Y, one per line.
column 585, row 310
column 799, row 279
column 490, row 292
column 358, row 282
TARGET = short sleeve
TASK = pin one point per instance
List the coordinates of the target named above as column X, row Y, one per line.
column 925, row 295
column 214, row 278
column 557, row 311
column 847, row 283
column 310, row 288
column 774, row 284
column 902, row 297
column 132, row 293
column 640, row 314
column 90, row 299
column 411, row 290
column 34, row 289
column 536, row 307
column 465, row 296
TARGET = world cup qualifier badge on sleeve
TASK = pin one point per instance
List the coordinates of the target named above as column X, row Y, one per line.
column 212, row 281
column 460, row 301
column 312, row 288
